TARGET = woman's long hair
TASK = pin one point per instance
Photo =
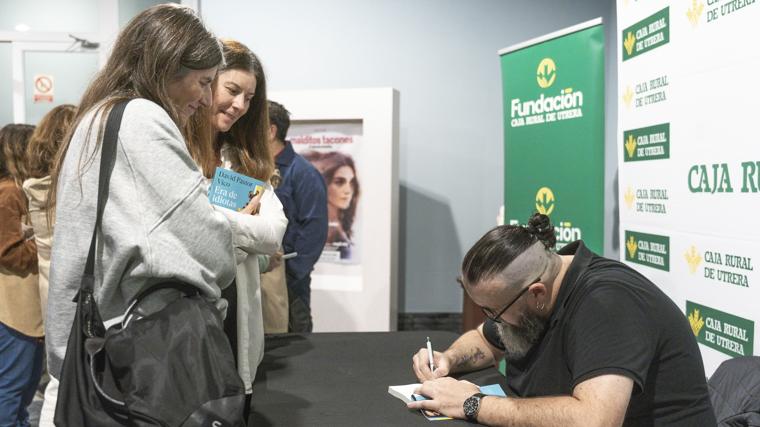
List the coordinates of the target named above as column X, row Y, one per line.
column 47, row 138
column 328, row 164
column 14, row 139
column 248, row 138
column 158, row 45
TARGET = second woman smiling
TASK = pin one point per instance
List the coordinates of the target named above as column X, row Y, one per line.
column 240, row 121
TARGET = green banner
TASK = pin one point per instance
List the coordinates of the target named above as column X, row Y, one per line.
column 647, row 34
column 648, row 249
column 554, row 134
column 649, row 143
column 729, row 334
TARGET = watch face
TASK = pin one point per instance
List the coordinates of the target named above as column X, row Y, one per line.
column 471, row 405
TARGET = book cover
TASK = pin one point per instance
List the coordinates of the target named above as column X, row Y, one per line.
column 232, row 190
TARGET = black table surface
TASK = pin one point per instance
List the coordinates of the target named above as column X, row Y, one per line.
column 342, row 379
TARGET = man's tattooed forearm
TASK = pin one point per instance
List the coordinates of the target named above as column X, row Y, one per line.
column 471, row 360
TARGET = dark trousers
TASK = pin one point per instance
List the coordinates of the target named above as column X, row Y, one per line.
column 299, row 305
column 20, row 371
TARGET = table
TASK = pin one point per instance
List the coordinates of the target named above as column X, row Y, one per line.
column 342, row 379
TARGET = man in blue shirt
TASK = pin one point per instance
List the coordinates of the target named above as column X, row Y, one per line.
column 303, row 194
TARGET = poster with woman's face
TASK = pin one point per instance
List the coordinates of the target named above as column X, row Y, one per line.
column 331, row 147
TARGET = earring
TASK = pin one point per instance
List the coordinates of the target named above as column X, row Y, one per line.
column 540, row 307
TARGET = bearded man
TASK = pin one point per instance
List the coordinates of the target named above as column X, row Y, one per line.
column 588, row 341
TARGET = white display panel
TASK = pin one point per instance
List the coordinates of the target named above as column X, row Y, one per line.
column 354, row 286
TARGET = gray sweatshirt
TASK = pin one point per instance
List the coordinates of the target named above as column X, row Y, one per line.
column 157, row 223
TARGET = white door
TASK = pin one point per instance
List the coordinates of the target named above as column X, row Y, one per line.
column 47, row 74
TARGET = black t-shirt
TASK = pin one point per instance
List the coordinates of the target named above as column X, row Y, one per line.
column 609, row 319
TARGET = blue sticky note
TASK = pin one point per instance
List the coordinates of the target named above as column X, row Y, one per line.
column 493, row 390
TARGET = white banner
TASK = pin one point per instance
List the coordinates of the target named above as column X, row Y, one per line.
column 689, row 162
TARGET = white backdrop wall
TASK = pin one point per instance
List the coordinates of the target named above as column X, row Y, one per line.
column 441, row 57
column 689, row 164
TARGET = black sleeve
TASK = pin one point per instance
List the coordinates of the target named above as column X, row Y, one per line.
column 610, row 333
column 492, row 335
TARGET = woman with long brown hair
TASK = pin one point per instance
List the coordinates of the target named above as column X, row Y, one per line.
column 43, row 145
column 21, row 332
column 48, row 136
column 240, row 126
column 157, row 224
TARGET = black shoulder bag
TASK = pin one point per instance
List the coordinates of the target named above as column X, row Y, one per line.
column 170, row 367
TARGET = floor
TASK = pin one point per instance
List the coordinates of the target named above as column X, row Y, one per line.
column 34, row 410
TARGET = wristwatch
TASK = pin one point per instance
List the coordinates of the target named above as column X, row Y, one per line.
column 471, row 406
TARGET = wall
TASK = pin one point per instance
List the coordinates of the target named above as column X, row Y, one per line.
column 6, row 84
column 441, row 56
column 50, row 15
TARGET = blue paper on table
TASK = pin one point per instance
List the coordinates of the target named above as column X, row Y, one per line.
column 232, row 190
column 493, row 390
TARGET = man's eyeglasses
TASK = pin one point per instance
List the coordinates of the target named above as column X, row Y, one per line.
column 496, row 317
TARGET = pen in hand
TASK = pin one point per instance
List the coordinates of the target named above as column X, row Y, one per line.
column 430, row 354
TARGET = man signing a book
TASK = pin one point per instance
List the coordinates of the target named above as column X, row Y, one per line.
column 587, row 341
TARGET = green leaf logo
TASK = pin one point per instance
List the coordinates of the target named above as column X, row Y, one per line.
column 546, row 73
column 545, row 201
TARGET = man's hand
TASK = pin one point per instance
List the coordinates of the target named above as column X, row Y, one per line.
column 447, row 396
column 421, row 365
column 252, row 208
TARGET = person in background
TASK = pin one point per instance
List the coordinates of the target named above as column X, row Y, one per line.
column 343, row 192
column 274, row 287
column 304, row 196
column 43, row 145
column 21, row 330
column 158, row 224
column 239, row 122
column 588, row 341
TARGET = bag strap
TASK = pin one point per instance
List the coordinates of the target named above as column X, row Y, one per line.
column 107, row 160
column 183, row 288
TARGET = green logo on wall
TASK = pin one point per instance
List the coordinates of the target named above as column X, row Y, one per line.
column 716, row 177
column 695, row 12
column 721, row 266
column 553, row 95
column 546, row 73
column 545, row 201
column 724, row 332
column 650, row 250
column 568, row 104
column 728, row 7
column 648, row 143
column 563, row 230
column 647, row 34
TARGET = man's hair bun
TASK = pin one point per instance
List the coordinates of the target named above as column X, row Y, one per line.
column 540, row 226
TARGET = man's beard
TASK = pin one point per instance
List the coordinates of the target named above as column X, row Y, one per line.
column 518, row 340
